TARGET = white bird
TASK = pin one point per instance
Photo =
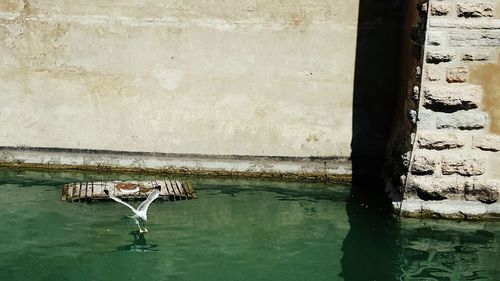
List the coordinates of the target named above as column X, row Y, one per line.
column 141, row 213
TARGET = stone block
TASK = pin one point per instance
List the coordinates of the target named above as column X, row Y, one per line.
column 440, row 8
column 436, row 38
column 426, row 119
column 462, row 165
column 475, row 9
column 423, row 163
column 483, row 190
column 434, row 72
column 441, row 56
column 436, row 188
column 486, row 142
column 480, row 55
column 440, row 140
column 457, row 74
column 464, row 120
column 480, row 38
column 450, row 98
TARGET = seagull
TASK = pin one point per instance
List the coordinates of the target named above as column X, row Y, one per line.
column 140, row 214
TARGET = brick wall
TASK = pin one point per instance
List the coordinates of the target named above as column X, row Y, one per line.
column 455, row 153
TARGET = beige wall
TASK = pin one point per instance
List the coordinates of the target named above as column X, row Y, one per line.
column 243, row 77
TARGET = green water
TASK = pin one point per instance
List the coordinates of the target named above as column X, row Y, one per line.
column 236, row 230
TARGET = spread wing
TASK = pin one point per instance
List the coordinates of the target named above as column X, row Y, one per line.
column 120, row 201
column 152, row 196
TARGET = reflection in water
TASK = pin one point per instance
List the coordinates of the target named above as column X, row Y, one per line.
column 139, row 244
column 370, row 249
column 235, row 230
column 378, row 246
column 441, row 252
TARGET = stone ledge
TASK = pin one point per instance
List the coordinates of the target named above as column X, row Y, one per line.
column 299, row 168
column 464, row 23
column 449, row 209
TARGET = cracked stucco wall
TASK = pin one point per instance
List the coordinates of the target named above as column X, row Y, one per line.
column 247, row 77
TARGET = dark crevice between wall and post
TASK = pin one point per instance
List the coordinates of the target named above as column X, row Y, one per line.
column 371, row 243
column 376, row 85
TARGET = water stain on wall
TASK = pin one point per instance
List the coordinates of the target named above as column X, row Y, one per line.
column 488, row 76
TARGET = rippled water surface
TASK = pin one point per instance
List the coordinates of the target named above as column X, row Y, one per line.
column 236, row 230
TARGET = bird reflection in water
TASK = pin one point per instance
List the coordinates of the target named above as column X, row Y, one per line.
column 139, row 244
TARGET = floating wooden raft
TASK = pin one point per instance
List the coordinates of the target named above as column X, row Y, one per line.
column 171, row 190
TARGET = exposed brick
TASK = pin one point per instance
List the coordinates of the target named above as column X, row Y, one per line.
column 463, row 165
column 423, row 163
column 486, row 142
column 436, row 188
column 475, row 9
column 452, row 97
column 465, row 120
column 434, row 73
column 479, row 38
column 439, row 56
column 483, row 190
column 440, row 9
column 480, row 55
column 464, row 23
column 457, row 74
column 440, row 140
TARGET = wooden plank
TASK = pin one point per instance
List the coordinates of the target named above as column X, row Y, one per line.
column 163, row 188
column 82, row 186
column 64, row 194
column 185, row 186
column 69, row 191
column 88, row 193
column 72, row 191
column 169, row 190
column 98, row 191
column 181, row 190
column 178, row 195
column 83, row 191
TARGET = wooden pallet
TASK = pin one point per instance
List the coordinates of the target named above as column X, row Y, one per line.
column 171, row 190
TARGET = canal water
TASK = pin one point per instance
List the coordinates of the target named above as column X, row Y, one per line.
column 236, row 230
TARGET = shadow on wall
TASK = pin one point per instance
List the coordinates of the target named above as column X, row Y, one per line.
column 370, row 247
column 376, row 84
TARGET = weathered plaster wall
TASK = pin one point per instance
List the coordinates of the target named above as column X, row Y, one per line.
column 216, row 77
column 454, row 168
